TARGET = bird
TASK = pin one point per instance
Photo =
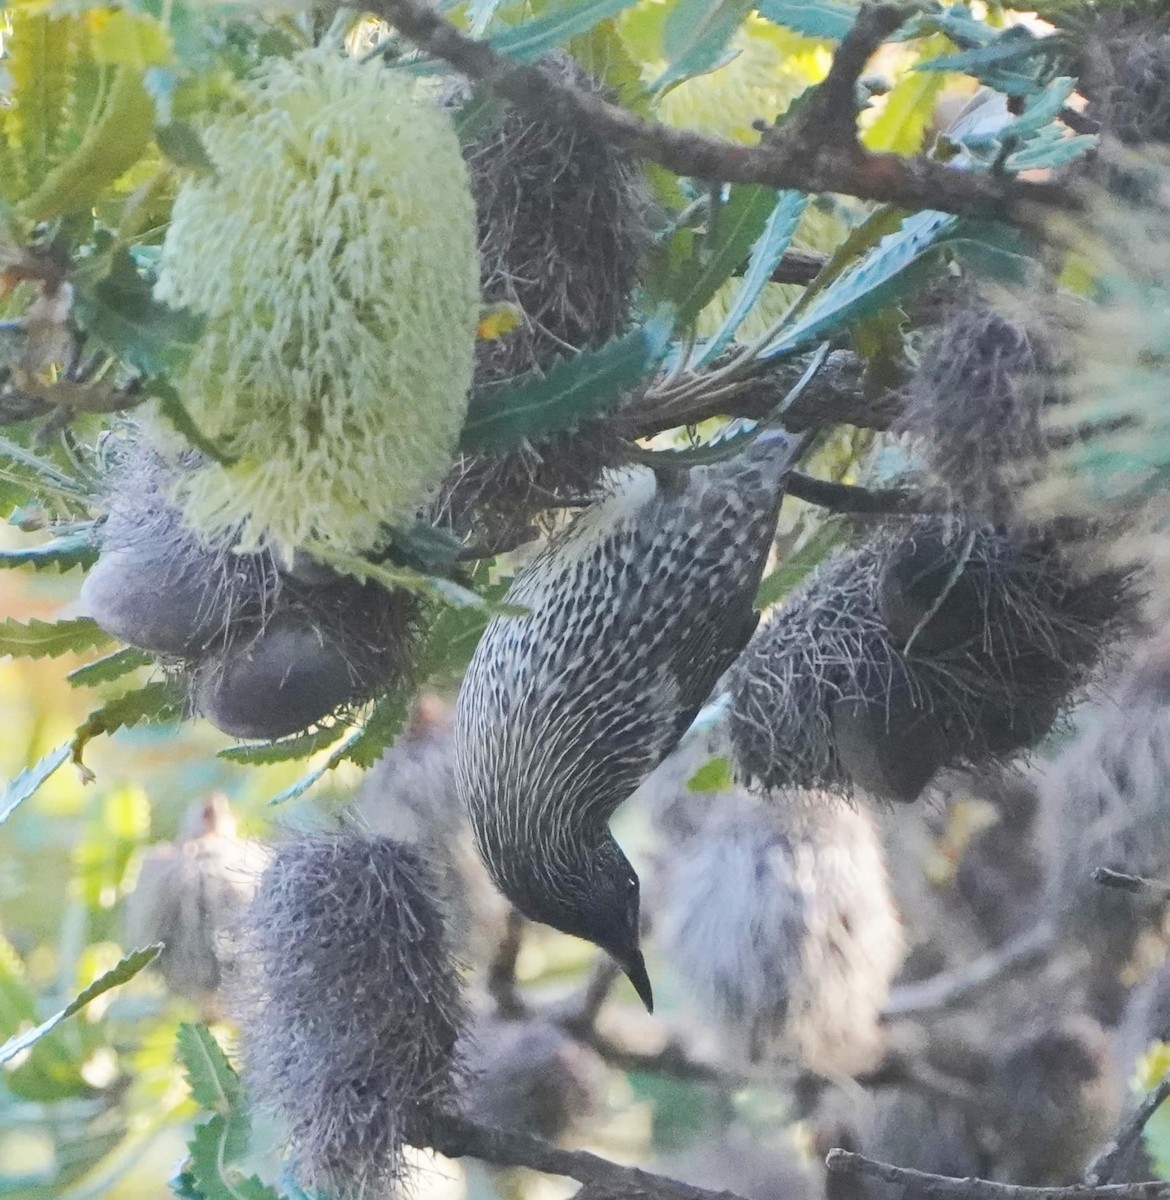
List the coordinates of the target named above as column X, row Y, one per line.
column 631, row 615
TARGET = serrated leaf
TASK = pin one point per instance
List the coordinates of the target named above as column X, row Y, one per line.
column 111, row 667
column 22, row 466
column 119, row 309
column 125, row 970
column 891, row 268
column 1042, row 110
column 153, row 702
column 217, row 1143
column 61, row 554
column 785, row 577
column 812, row 18
column 1016, row 44
column 380, row 728
column 572, row 391
column 529, row 41
column 733, row 228
column 1060, row 151
column 170, row 405
column 48, row 639
column 25, row 784
column 695, row 36
column 212, row 1079
column 906, row 113
column 715, row 775
column 765, row 256
column 292, row 749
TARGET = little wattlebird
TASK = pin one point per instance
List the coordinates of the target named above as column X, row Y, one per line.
column 632, row 615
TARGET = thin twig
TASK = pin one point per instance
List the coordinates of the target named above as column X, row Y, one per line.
column 953, row 987
column 798, row 159
column 1125, row 882
column 501, row 974
column 945, row 1187
column 1104, row 1165
column 848, row 498
column 459, row 1138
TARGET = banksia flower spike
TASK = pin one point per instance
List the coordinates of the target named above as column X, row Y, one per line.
column 333, row 255
column 349, row 1007
column 633, row 614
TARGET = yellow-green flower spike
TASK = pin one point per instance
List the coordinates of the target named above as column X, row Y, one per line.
column 334, row 256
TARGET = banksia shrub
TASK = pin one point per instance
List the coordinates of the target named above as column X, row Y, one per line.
column 332, row 252
column 189, row 894
column 349, row 1007
column 927, row 646
column 779, row 921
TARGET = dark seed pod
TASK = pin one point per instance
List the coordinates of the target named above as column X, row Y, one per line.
column 928, row 646
column 563, row 227
column 976, row 400
column 157, row 584
column 530, row 1076
column 188, row 894
column 349, row 1007
column 779, row 921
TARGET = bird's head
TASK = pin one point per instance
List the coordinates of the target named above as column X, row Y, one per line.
column 588, row 889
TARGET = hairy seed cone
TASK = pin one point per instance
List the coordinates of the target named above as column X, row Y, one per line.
column 779, row 920
column 333, row 255
column 349, row 1006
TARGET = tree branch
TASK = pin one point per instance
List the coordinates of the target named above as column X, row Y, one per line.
column 501, row 972
column 799, row 266
column 797, row 159
column 944, row 1187
column 847, row 498
column 1105, row 1162
column 457, row 1137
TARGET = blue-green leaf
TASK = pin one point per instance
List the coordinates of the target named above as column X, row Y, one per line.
column 879, row 278
column 61, row 554
column 303, row 745
column 1014, row 45
column 48, row 639
column 695, row 36
column 812, row 18
column 529, row 41
column 572, row 391
column 1053, row 153
column 21, row 466
column 119, row 974
column 22, row 786
column 766, row 254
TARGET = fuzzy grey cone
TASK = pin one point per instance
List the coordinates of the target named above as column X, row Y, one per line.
column 1105, row 802
column 157, row 584
column 563, row 228
column 975, row 403
column 188, row 895
column 930, row 645
column 266, row 651
column 779, row 921
column 530, row 1076
column 633, row 614
column 349, row 1007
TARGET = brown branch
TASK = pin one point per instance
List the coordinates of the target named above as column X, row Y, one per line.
column 847, row 498
column 799, row 266
column 945, row 1187
column 459, row 1138
column 797, row 160
column 953, row 987
column 501, row 973
column 1104, row 1165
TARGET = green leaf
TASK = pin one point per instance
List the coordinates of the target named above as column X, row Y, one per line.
column 48, row 639
column 217, row 1143
column 111, row 667
column 21, row 466
column 212, row 1079
column 715, row 775
column 766, row 254
column 1061, row 150
column 530, row 40
column 171, row 406
column 292, row 749
column 886, row 273
column 786, row 576
column 716, row 451
column 120, row 310
column 23, row 785
column 695, row 36
column 814, row 18
column 61, row 554
column 181, row 143
column 572, row 391
column 155, row 702
column 125, row 970
column 906, row 114
column 1016, row 44
column 380, row 728
column 733, row 229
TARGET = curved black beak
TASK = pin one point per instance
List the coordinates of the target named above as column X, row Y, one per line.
column 634, row 966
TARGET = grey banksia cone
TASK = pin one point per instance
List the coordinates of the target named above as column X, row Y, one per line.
column 633, row 614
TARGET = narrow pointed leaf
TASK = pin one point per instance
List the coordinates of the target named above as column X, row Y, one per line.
column 572, row 391
column 785, row 577
column 304, row 745
column 529, row 41
column 61, row 554
column 48, row 639
column 212, row 1079
column 695, row 36
column 22, row 466
column 155, row 702
column 111, row 667
column 766, row 254
column 121, row 973
column 24, row 785
column 812, row 18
